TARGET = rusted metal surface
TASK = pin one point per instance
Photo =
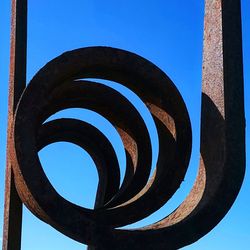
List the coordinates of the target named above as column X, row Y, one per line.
column 57, row 86
column 53, row 89
column 17, row 82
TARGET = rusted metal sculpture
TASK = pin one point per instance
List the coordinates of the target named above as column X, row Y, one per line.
column 60, row 84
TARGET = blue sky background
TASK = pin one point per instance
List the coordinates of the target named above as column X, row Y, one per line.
column 168, row 33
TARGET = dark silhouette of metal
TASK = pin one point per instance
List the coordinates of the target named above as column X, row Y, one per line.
column 17, row 82
column 57, row 86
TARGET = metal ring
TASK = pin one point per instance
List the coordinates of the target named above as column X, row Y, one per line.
column 57, row 86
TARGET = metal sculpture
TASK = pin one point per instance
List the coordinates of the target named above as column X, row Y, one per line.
column 57, row 86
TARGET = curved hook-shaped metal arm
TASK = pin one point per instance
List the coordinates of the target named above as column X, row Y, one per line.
column 222, row 164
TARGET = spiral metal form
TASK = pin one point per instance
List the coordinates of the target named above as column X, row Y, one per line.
column 56, row 87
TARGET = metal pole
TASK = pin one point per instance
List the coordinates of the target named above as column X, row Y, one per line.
column 17, row 82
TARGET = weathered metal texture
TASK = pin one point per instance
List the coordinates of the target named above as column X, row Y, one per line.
column 53, row 89
column 57, row 86
column 17, row 82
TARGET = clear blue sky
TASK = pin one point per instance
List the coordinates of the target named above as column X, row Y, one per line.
column 168, row 33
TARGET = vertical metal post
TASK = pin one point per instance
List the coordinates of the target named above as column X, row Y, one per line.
column 222, row 78
column 222, row 53
column 223, row 91
column 17, row 82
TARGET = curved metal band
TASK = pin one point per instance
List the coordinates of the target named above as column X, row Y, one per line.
column 59, row 88
column 57, row 92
